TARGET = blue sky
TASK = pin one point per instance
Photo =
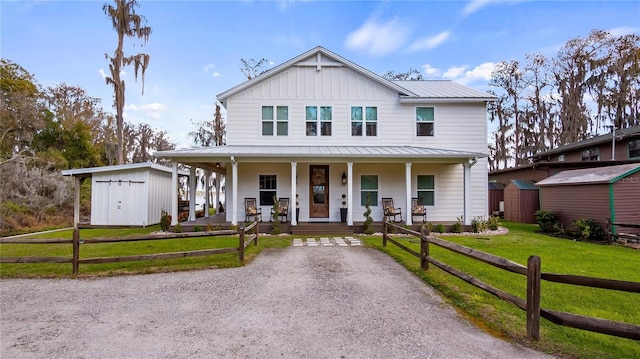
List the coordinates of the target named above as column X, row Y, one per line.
column 196, row 46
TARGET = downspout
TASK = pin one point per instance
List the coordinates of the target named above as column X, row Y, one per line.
column 467, row 190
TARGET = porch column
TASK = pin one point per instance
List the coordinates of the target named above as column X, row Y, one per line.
column 206, row 193
column 407, row 185
column 217, row 201
column 174, row 194
column 467, row 190
column 76, row 203
column 234, row 190
column 192, row 193
column 350, row 193
column 294, row 190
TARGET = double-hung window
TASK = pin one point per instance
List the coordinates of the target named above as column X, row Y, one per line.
column 426, row 189
column 424, row 121
column 591, row 154
column 364, row 117
column 369, row 190
column 267, row 189
column 315, row 122
column 280, row 121
column 634, row 148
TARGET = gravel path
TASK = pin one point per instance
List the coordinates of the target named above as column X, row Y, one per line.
column 325, row 302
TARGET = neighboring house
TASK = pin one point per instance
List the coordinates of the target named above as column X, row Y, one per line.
column 125, row 195
column 319, row 126
column 598, row 193
column 589, row 153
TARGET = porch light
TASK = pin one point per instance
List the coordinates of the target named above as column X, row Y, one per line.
column 344, row 178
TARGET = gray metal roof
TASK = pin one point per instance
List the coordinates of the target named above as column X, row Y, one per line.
column 315, row 152
column 524, row 184
column 609, row 174
column 620, row 134
column 83, row 172
column 443, row 89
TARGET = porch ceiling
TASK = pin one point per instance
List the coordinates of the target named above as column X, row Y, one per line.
column 315, row 153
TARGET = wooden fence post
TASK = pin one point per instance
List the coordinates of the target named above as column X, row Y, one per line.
column 76, row 251
column 424, row 249
column 241, row 244
column 384, row 231
column 255, row 228
column 533, row 298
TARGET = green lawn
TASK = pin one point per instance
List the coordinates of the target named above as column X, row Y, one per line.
column 557, row 256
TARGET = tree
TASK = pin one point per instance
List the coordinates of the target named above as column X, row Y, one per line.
column 252, row 67
column 412, row 74
column 209, row 134
column 126, row 22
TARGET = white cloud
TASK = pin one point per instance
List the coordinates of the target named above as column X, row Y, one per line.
column 377, row 38
column 429, row 70
column 482, row 71
column 207, row 67
column 623, row 30
column 454, row 72
column 102, row 73
column 428, row 43
column 152, row 110
column 216, row 74
column 474, row 5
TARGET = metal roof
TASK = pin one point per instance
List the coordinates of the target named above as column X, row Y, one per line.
column 316, row 152
column 620, row 134
column 443, row 89
column 609, row 174
column 496, row 185
column 83, row 172
column 524, row 184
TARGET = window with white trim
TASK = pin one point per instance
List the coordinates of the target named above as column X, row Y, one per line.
column 424, row 121
column 426, row 189
column 369, row 190
column 364, row 117
column 267, row 190
column 318, row 124
column 634, row 148
column 278, row 124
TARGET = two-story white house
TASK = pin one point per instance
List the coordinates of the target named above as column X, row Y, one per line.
column 319, row 126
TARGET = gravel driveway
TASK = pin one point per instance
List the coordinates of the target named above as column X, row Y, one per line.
column 324, row 302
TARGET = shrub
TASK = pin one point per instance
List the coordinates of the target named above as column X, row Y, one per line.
column 366, row 226
column 177, row 228
column 457, row 226
column 546, row 220
column 197, row 229
column 440, row 228
column 275, row 227
column 165, row 220
column 493, row 223
column 587, row 229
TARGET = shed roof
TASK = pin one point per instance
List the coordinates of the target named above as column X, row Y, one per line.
column 524, row 184
column 86, row 172
column 609, row 174
column 496, row 185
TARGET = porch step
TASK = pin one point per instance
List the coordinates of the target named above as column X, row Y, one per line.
column 314, row 228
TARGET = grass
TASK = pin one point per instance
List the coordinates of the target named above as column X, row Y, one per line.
column 557, row 256
column 60, row 270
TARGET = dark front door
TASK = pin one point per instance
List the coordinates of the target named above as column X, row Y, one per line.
column 319, row 191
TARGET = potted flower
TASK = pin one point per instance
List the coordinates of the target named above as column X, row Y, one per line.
column 343, row 210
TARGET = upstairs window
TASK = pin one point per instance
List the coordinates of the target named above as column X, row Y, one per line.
column 315, row 122
column 281, row 122
column 561, row 158
column 369, row 190
column 267, row 185
column 424, row 121
column 634, row 148
column 426, row 189
column 364, row 117
column 591, row 154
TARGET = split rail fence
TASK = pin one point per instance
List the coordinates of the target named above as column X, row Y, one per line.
column 613, row 233
column 533, row 276
column 247, row 235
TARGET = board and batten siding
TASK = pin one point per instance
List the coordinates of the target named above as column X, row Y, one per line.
column 588, row 201
column 457, row 126
column 119, row 202
column 159, row 195
column 626, row 196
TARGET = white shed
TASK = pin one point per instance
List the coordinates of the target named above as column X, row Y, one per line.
column 126, row 195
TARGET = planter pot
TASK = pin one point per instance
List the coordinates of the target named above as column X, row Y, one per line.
column 343, row 214
column 297, row 214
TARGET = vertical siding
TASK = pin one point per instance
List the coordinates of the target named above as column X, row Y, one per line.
column 119, row 203
column 159, row 195
column 511, row 203
column 575, row 202
column 626, row 197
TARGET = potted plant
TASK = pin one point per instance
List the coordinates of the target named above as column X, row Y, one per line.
column 343, row 209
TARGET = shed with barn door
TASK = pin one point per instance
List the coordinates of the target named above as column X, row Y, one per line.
column 127, row 195
column 521, row 201
column 594, row 193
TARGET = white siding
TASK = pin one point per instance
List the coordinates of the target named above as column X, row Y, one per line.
column 159, row 195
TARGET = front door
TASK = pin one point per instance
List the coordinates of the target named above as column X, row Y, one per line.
column 319, row 191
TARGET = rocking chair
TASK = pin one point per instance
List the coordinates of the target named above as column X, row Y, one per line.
column 390, row 210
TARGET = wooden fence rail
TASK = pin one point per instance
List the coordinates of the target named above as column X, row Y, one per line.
column 75, row 259
column 534, row 275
